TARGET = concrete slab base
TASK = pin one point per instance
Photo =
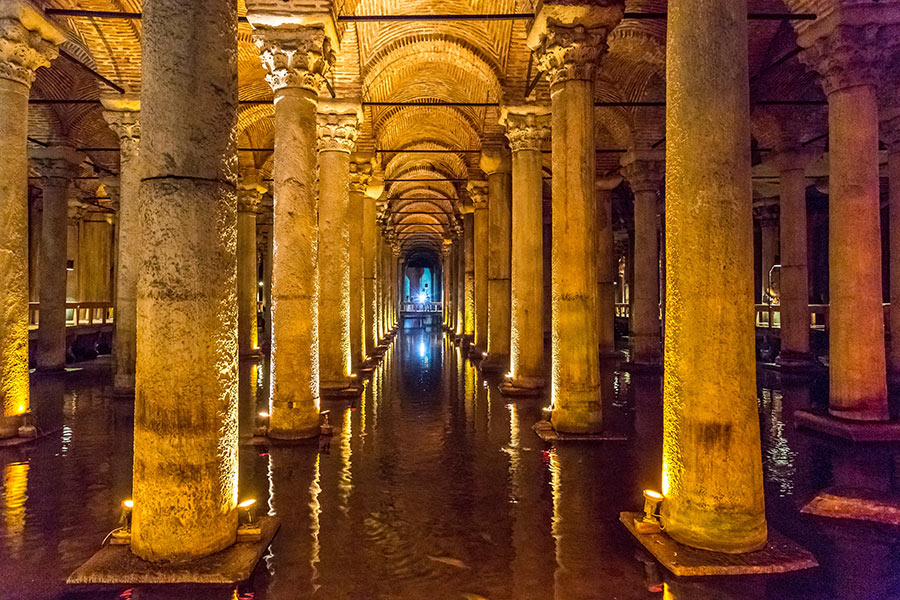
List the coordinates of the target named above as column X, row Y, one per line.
column 781, row 555
column 855, row 431
column 116, row 565
column 856, row 504
column 509, row 389
column 546, row 432
column 15, row 442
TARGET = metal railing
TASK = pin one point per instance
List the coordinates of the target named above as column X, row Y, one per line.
column 623, row 310
column 77, row 314
column 421, row 307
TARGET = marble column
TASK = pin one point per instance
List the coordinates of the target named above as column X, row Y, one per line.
column 186, row 381
column 370, row 262
column 460, row 319
column 766, row 214
column 447, row 286
column 527, row 129
column 497, row 167
column 380, row 287
column 95, row 257
column 250, row 192
column 606, row 264
column 569, row 43
column 848, row 61
column 298, row 61
column 360, row 172
column 468, row 280
column 712, row 463
column 123, row 116
column 890, row 133
column 264, row 221
column 338, row 127
column 478, row 192
column 57, row 166
column 29, row 42
column 645, row 174
column 794, row 289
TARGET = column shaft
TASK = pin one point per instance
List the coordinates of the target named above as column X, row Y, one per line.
column 468, row 312
column 499, row 259
column 894, row 214
column 712, row 467
column 358, row 347
column 481, row 248
column 186, row 409
column 247, row 286
column 857, row 371
column 794, row 298
column 646, row 347
column 51, row 344
column 29, row 48
column 370, row 257
column 575, row 369
column 607, row 269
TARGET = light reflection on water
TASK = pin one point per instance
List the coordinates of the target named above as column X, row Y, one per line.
column 433, row 486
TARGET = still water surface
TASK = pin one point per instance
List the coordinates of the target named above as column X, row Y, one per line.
column 435, row 487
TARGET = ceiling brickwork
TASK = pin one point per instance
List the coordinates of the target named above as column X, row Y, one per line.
column 416, row 61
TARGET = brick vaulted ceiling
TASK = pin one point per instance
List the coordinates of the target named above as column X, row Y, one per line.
column 404, row 61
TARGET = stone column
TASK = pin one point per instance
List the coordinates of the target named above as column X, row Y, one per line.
column 186, row 384
column 645, row 173
column 123, row 116
column 360, row 172
column 468, row 291
column 370, row 262
column 478, row 192
column 338, row 127
column 29, row 42
column 379, row 288
column 527, row 128
column 95, row 257
column 297, row 59
column 569, row 42
column 890, row 133
column 606, row 265
column 57, row 166
column 497, row 166
column 448, row 262
column 766, row 214
column 460, row 318
column 794, row 288
column 268, row 250
column 712, row 466
column 846, row 56
column 250, row 192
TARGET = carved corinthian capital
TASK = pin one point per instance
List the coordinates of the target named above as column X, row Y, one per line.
column 124, row 118
column 295, row 56
column 849, row 55
column 527, row 130
column 27, row 41
column 337, row 131
column 571, row 52
column 360, row 174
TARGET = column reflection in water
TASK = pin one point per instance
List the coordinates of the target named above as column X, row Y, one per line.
column 293, row 559
column 15, row 494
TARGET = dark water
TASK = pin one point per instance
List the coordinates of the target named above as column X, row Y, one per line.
column 434, row 487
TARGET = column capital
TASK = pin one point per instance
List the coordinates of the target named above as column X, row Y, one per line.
column 28, row 41
column 375, row 189
column 527, row 127
column 76, row 210
column 112, row 185
column 607, row 182
column 847, row 52
column 766, row 211
column 447, row 246
column 295, row 55
column 360, row 172
column 495, row 159
column 645, row 171
column 123, row 114
column 250, row 190
column 337, row 126
column 478, row 194
column 57, row 165
column 569, row 38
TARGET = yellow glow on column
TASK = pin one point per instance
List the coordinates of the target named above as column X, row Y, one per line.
column 315, row 510
column 15, row 479
column 345, row 487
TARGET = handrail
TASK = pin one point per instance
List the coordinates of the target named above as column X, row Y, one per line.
column 421, row 307
column 77, row 313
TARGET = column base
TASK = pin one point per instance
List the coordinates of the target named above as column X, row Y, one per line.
column 856, row 504
column 548, row 433
column 475, row 353
column 117, row 565
column 350, row 389
column 250, row 355
column 780, row 554
column 855, row 431
column 495, row 362
column 797, row 362
column 523, row 386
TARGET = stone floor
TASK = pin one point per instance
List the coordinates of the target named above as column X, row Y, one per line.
column 435, row 487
